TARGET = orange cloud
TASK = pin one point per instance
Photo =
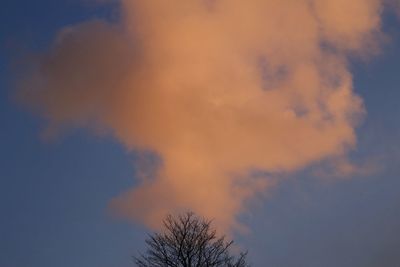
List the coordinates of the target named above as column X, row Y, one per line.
column 217, row 89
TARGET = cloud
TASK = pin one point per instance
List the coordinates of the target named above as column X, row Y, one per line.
column 217, row 89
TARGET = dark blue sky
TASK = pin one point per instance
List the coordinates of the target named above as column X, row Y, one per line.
column 54, row 194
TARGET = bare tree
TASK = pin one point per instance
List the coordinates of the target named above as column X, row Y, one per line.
column 188, row 241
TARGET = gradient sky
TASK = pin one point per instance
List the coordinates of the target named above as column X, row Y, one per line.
column 54, row 193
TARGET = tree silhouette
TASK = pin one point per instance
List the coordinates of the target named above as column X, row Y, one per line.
column 188, row 241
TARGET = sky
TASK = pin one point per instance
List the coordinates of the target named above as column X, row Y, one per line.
column 283, row 127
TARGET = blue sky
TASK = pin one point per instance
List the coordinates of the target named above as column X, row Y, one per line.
column 54, row 194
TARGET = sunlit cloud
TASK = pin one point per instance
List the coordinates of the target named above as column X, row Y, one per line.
column 217, row 89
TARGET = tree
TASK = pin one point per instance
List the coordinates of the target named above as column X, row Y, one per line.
column 188, row 241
